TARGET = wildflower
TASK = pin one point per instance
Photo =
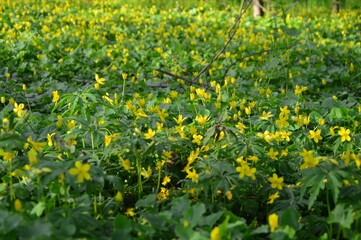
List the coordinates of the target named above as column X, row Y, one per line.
column 162, row 114
column 18, row 205
column 146, row 173
column 346, row 157
column 253, row 158
column 81, row 171
column 345, row 134
column 130, row 212
column 267, row 136
column 284, row 153
column 284, row 112
column 193, row 175
column 125, row 163
column 49, row 137
column 282, row 122
column 266, row 115
column 229, row 195
column 150, row 134
column 247, row 110
column 241, row 127
column 216, row 233
column 272, row 154
column 309, row 160
column 321, row 121
column 179, row 120
column 33, row 157
column 197, row 139
column 166, row 180
column 273, row 197
column 19, row 109
column 56, row 96
column 273, row 221
column 119, row 197
column 245, row 170
column 202, row 119
column 300, row 89
column 276, row 182
column 98, row 81
column 315, row 135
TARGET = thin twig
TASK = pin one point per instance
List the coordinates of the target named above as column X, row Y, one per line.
column 257, row 53
column 231, row 32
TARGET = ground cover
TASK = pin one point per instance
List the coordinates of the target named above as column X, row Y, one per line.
column 98, row 141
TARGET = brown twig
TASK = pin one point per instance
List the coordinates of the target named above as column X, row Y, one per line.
column 257, row 53
column 231, row 32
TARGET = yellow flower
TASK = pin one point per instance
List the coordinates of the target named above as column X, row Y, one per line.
column 130, row 212
column 150, row 134
column 229, row 195
column 276, row 182
column 18, row 205
column 98, row 81
column 179, row 120
column 345, row 134
column 193, row 175
column 216, row 233
column 166, row 180
column 266, row 115
column 273, row 197
column 119, row 197
column 273, row 221
column 346, row 157
column 248, row 110
column 272, row 154
column 202, row 119
column 125, row 163
column 19, row 109
column 33, row 157
column 146, row 173
column 197, row 139
column 315, row 135
column 49, row 137
column 81, row 171
column 56, row 96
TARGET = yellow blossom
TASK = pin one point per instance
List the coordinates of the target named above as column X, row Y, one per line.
column 273, row 221
column 266, row 115
column 18, row 205
column 272, row 154
column 125, row 163
column 56, row 96
column 19, row 109
column 315, row 135
column 179, row 120
column 33, row 157
column 81, row 171
column 119, row 197
column 193, row 175
column 166, row 180
column 216, row 233
column 197, row 139
column 150, row 134
column 345, row 134
column 98, row 81
column 276, row 182
column 146, row 173
column 273, row 197
column 202, row 119
column 130, row 212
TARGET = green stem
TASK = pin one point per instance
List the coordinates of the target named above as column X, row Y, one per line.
column 139, row 169
column 159, row 175
column 329, row 213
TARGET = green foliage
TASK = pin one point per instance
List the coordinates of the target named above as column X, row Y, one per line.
column 96, row 143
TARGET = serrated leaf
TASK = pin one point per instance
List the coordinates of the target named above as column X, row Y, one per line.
column 194, row 214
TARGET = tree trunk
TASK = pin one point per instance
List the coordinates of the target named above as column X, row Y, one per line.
column 335, row 6
column 258, row 8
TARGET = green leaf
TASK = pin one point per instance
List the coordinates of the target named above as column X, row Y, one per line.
column 290, row 217
column 38, row 209
column 194, row 214
column 123, row 223
column 211, row 219
column 186, row 233
column 148, row 201
column 342, row 216
column 313, row 179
